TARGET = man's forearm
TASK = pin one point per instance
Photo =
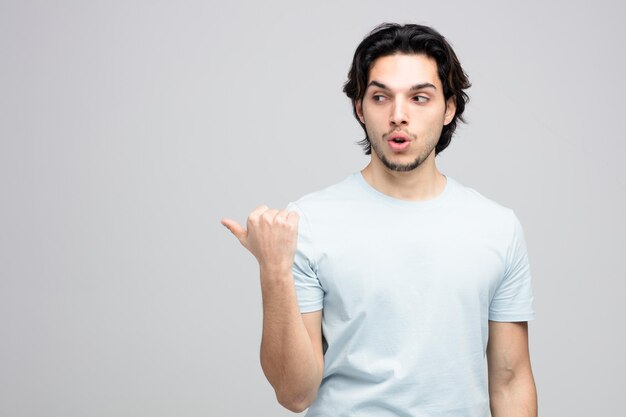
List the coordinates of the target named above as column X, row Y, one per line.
column 287, row 355
column 515, row 398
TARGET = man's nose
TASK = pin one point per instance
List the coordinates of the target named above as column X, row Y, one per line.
column 399, row 116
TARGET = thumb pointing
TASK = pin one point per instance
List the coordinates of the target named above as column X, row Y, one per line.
column 235, row 228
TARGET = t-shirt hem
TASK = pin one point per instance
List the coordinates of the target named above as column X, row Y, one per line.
column 512, row 317
column 309, row 308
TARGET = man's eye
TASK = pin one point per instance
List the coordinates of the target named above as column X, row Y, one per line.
column 420, row 99
column 378, row 97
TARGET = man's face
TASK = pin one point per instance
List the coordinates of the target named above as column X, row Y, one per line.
column 404, row 100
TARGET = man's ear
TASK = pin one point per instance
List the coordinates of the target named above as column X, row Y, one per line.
column 359, row 110
column 450, row 110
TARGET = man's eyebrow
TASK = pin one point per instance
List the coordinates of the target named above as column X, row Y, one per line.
column 415, row 87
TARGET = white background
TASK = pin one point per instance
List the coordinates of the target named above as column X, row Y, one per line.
column 130, row 128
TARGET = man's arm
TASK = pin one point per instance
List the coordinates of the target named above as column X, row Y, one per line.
column 512, row 390
column 291, row 346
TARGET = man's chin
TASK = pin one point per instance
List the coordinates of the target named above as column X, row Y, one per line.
column 398, row 167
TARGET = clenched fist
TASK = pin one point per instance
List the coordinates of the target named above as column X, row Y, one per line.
column 271, row 236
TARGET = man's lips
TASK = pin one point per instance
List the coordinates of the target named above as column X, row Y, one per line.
column 398, row 136
column 399, row 141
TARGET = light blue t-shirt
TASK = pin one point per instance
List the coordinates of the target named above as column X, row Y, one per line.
column 407, row 289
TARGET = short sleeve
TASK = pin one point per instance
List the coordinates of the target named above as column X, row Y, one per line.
column 513, row 298
column 308, row 288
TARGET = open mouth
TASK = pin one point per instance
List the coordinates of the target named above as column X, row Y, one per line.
column 399, row 144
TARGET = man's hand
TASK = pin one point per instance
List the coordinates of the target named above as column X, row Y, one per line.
column 292, row 357
column 271, row 236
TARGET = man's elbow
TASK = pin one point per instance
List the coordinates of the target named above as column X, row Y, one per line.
column 296, row 403
column 503, row 377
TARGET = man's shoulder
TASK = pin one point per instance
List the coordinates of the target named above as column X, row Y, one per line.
column 473, row 196
column 471, row 200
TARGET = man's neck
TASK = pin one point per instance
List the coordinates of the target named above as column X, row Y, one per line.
column 423, row 183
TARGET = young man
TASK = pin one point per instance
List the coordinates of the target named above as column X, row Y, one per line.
column 384, row 294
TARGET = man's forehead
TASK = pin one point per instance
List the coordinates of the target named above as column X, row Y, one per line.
column 404, row 71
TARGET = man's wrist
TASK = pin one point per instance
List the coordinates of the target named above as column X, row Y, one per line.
column 275, row 272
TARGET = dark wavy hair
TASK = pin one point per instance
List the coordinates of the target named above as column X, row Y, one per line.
column 392, row 38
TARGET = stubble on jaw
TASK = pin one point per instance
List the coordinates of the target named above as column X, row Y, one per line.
column 419, row 159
